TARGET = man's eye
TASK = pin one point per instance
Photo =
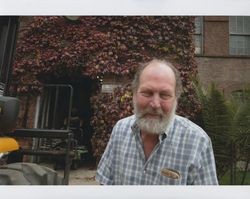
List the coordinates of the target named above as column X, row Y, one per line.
column 165, row 95
column 146, row 94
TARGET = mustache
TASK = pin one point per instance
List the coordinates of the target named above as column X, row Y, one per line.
column 157, row 112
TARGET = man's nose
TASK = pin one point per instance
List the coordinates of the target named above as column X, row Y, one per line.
column 155, row 101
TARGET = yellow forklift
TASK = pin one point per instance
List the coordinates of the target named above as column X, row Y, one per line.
column 9, row 107
column 22, row 173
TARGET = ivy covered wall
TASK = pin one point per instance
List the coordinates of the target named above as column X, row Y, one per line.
column 95, row 47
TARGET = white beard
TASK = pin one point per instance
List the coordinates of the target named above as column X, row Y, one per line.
column 154, row 125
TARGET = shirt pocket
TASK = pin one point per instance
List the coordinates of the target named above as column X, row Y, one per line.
column 169, row 176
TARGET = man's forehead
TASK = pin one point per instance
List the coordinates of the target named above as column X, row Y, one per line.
column 158, row 64
column 157, row 68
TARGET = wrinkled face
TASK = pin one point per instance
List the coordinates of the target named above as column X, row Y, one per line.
column 155, row 100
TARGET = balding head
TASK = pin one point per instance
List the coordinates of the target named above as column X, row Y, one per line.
column 165, row 68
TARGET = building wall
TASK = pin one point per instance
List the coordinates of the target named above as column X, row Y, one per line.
column 216, row 38
column 230, row 73
column 214, row 65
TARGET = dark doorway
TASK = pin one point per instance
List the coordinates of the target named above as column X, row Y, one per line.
column 81, row 103
column 83, row 88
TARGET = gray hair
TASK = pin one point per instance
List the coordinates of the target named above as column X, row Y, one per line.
column 178, row 85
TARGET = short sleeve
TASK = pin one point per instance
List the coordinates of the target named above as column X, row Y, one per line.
column 104, row 170
column 206, row 173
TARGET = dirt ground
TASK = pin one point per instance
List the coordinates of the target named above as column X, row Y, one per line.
column 84, row 175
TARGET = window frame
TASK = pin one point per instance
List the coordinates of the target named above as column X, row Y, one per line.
column 238, row 34
column 200, row 35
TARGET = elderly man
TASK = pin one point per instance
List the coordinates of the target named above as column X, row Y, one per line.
column 155, row 146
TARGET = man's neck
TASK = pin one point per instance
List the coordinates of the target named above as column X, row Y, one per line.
column 149, row 142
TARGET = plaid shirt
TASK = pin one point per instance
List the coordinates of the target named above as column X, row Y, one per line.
column 183, row 156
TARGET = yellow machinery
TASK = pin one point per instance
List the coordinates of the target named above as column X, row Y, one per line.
column 9, row 108
column 17, row 173
column 8, row 144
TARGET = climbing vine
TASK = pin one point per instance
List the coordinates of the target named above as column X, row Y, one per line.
column 96, row 46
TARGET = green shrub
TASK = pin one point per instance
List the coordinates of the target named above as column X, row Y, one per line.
column 227, row 122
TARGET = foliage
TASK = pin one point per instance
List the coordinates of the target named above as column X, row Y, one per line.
column 95, row 46
column 225, row 180
column 53, row 47
column 107, row 111
column 240, row 107
column 217, row 122
column 227, row 123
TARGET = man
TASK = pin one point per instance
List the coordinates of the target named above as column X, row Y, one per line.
column 155, row 146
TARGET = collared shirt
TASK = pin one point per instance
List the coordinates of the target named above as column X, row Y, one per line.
column 183, row 156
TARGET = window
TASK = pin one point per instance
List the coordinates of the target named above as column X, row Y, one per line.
column 239, row 40
column 198, row 35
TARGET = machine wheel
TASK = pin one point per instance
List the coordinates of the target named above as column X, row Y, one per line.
column 28, row 174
